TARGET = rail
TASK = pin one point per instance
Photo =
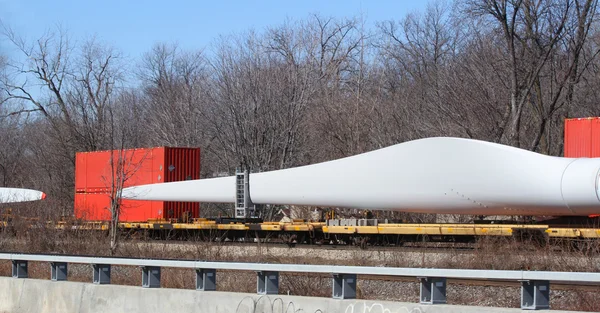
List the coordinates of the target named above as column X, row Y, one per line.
column 535, row 285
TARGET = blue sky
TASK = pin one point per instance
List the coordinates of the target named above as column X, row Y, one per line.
column 134, row 26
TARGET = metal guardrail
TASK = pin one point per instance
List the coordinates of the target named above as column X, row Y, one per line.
column 535, row 285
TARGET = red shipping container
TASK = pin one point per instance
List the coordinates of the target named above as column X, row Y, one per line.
column 582, row 137
column 93, row 181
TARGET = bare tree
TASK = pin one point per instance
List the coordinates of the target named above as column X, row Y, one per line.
column 530, row 30
column 68, row 88
column 586, row 96
column 76, row 88
column 258, row 104
column 97, row 74
column 555, row 90
column 417, row 55
column 174, row 83
column 12, row 149
column 123, row 166
column 338, row 60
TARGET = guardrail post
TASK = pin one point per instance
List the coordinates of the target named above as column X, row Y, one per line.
column 267, row 283
column 433, row 290
column 344, row 286
column 206, row 279
column 101, row 274
column 151, row 276
column 58, row 271
column 19, row 269
column 535, row 294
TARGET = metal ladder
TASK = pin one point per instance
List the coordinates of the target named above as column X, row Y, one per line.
column 244, row 208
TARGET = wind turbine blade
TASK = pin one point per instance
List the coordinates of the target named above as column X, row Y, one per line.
column 219, row 190
column 433, row 175
column 12, row 195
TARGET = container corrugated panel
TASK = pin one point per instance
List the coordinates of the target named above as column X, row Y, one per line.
column 595, row 138
column 97, row 168
column 582, row 137
column 96, row 207
column 182, row 164
column 93, row 177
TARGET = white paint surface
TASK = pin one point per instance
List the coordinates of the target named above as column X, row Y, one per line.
column 433, row 175
column 11, row 195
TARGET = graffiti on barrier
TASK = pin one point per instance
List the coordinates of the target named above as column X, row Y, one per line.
column 275, row 304
column 365, row 307
column 266, row 304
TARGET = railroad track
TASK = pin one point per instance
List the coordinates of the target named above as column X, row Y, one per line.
column 433, row 247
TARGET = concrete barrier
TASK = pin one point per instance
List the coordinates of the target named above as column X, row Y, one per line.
column 33, row 295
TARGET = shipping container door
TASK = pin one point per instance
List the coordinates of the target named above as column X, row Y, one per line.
column 80, row 172
column 578, row 138
column 595, row 138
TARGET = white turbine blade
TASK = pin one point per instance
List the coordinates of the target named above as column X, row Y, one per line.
column 11, row 195
column 433, row 175
column 219, row 190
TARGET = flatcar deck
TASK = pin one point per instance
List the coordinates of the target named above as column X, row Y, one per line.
column 322, row 230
